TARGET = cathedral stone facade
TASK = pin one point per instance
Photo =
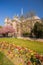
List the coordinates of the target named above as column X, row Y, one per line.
column 21, row 24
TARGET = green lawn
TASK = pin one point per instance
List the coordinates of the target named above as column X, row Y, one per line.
column 4, row 60
column 34, row 45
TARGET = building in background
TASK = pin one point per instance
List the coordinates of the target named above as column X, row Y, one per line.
column 22, row 24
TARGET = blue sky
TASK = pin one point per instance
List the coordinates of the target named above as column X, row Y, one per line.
column 9, row 8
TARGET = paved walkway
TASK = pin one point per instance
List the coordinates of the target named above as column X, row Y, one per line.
column 32, row 39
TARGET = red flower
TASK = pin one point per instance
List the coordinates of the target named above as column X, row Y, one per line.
column 28, row 63
column 41, row 58
column 19, row 48
column 37, row 56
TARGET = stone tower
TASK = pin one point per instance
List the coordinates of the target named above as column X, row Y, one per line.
column 21, row 11
column 7, row 21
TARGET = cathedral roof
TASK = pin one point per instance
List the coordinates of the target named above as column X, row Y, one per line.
column 16, row 19
column 36, row 17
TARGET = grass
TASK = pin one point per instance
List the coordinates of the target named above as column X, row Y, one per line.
column 34, row 45
column 4, row 60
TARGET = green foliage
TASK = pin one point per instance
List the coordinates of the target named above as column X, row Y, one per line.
column 35, row 60
column 26, row 34
column 38, row 30
column 1, row 60
column 0, row 26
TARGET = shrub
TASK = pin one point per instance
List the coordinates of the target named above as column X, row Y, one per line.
column 38, row 30
column 26, row 34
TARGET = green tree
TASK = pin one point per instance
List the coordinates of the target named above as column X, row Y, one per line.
column 0, row 26
column 38, row 30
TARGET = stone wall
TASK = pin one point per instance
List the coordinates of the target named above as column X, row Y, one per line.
column 22, row 26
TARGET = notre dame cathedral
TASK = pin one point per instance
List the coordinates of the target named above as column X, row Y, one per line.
column 22, row 24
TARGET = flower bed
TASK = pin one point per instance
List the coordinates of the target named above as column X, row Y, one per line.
column 22, row 55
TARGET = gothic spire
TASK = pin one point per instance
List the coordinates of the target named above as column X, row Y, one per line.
column 21, row 11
